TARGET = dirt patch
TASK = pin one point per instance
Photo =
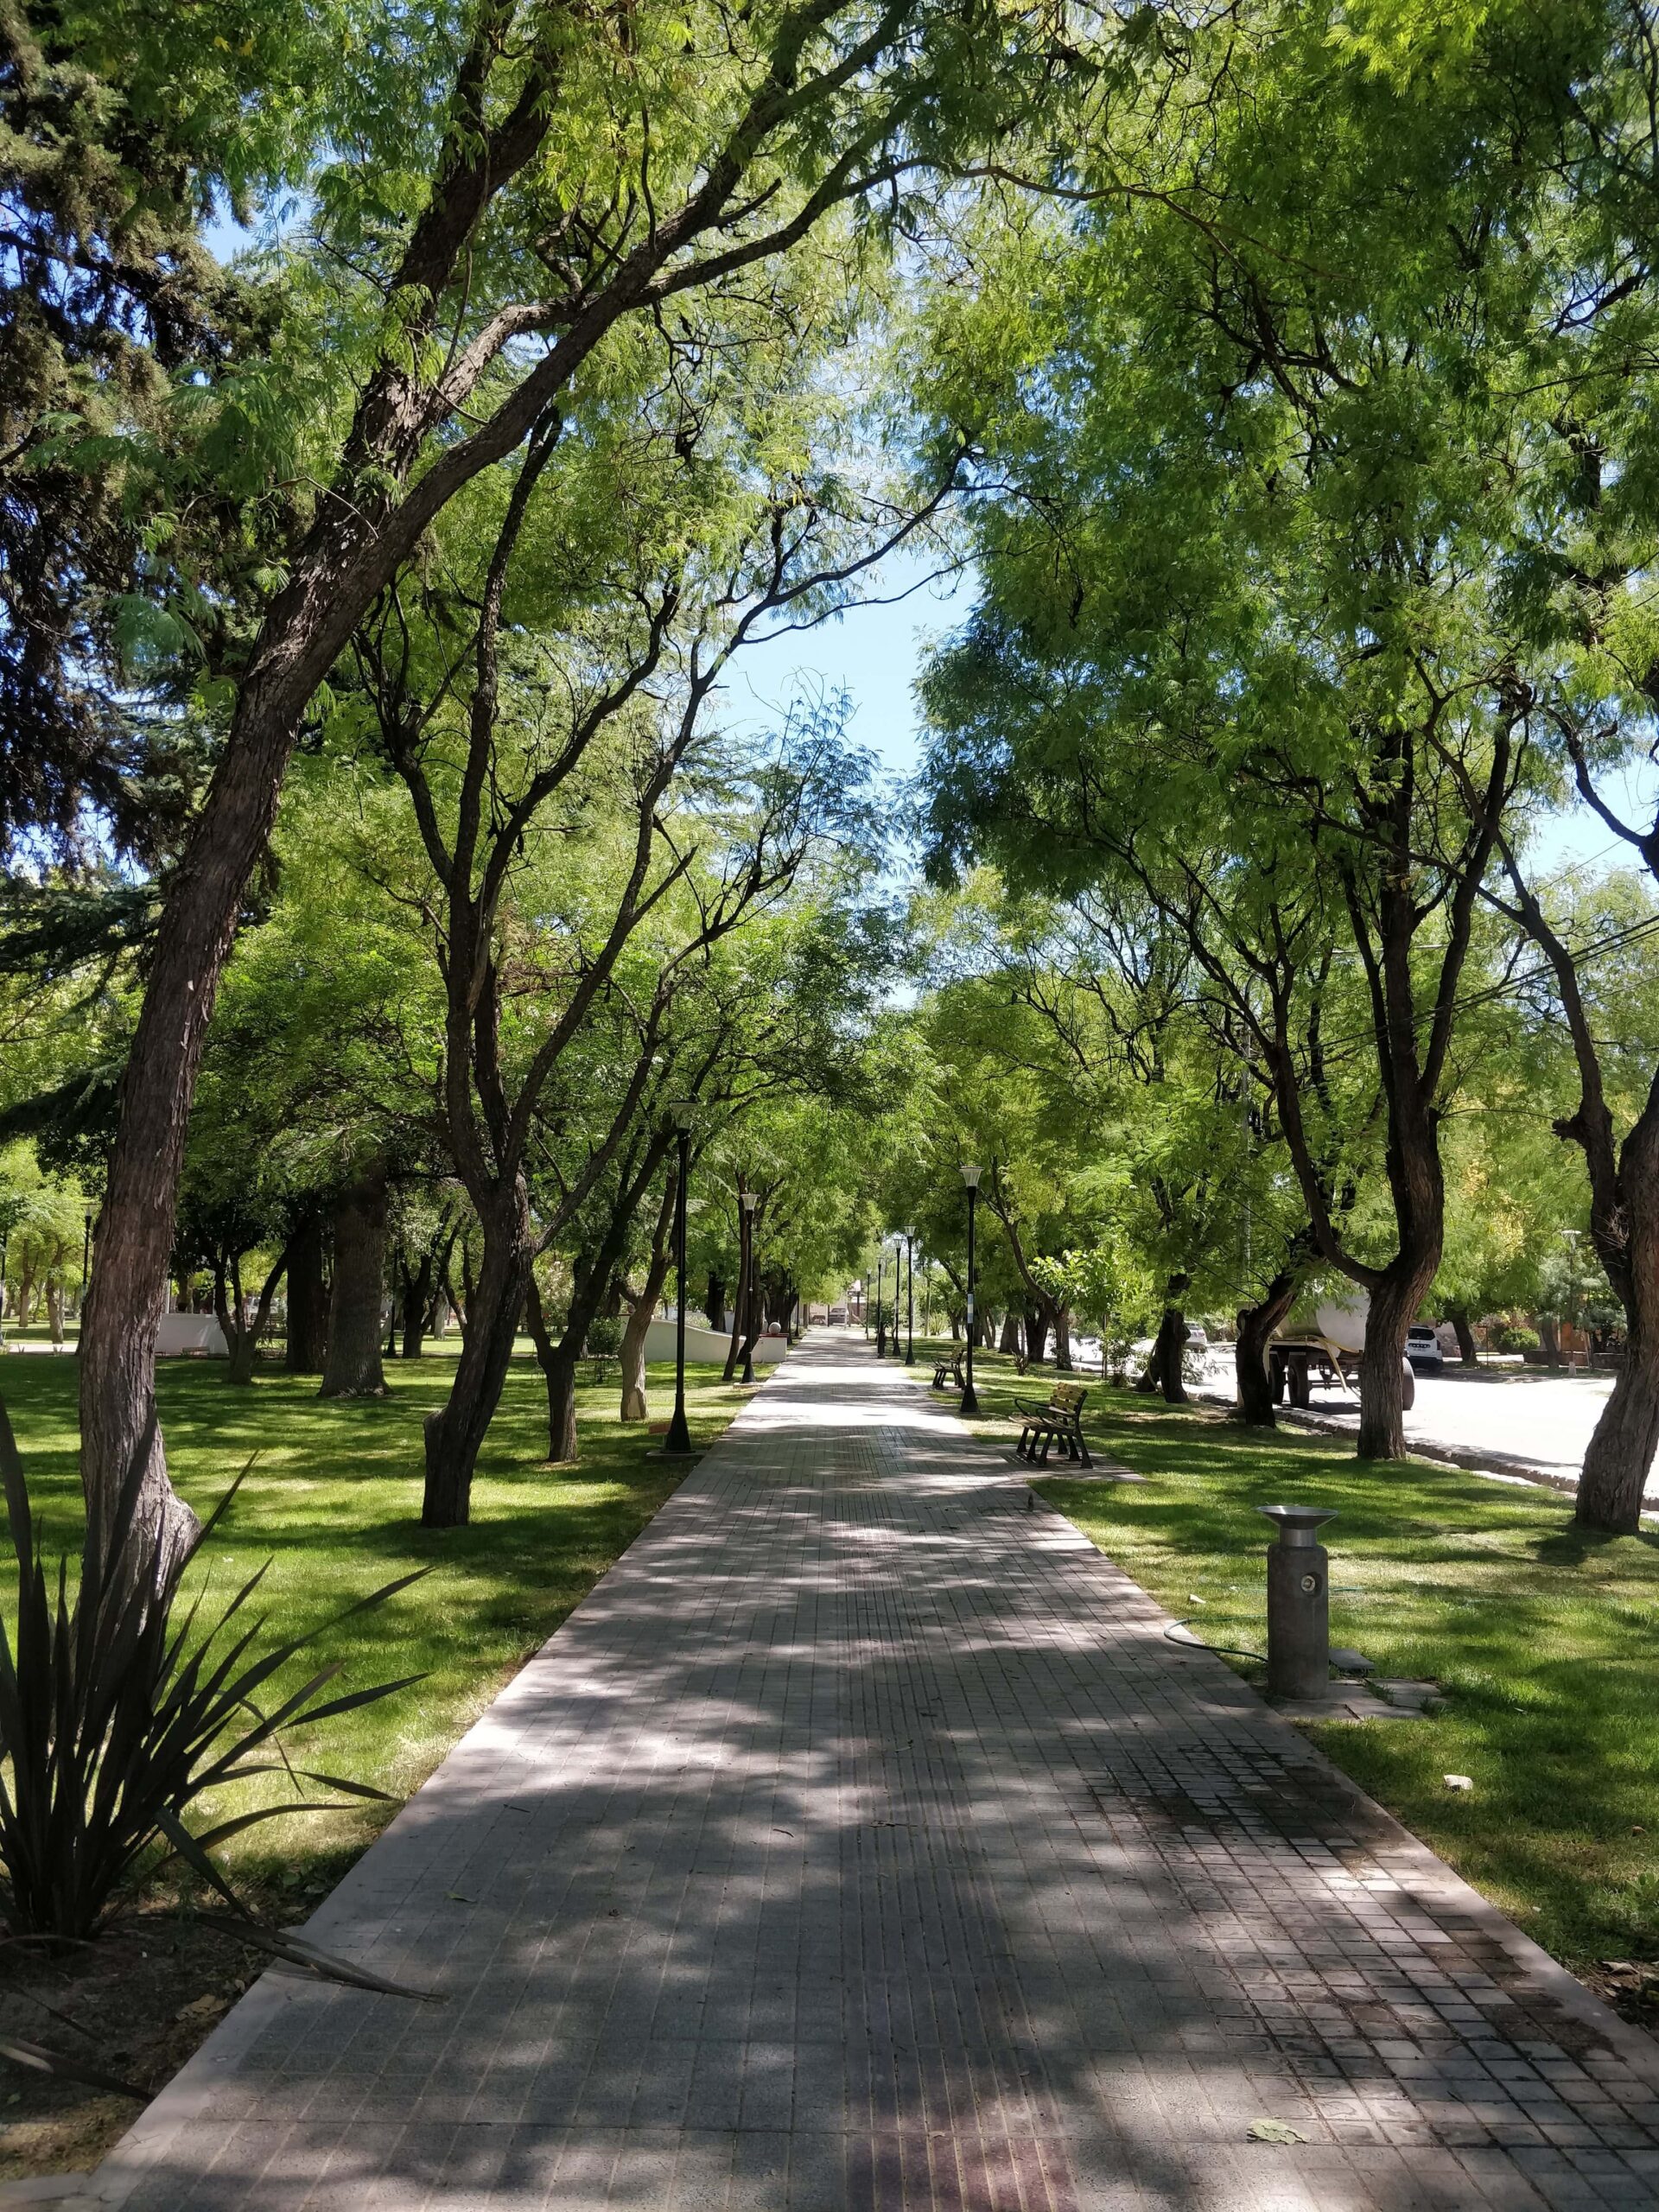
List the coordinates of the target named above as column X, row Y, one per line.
column 1630, row 1986
column 135, row 2005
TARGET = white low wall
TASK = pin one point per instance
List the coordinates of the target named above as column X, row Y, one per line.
column 705, row 1344
column 177, row 1332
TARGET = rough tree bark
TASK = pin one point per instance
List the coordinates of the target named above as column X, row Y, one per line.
column 634, row 1406
column 456, row 1434
column 1394, row 1304
column 242, row 1334
column 1163, row 1367
column 558, row 1365
column 307, row 1301
column 1009, row 1340
column 1256, row 1323
column 1036, row 1336
column 1063, row 1339
column 416, row 1292
column 1621, row 1451
column 1468, row 1349
column 353, row 1368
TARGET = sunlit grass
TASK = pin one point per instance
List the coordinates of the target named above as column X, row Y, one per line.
column 332, row 1502
column 1545, row 1639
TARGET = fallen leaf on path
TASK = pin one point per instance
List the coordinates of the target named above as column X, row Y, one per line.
column 1274, row 2130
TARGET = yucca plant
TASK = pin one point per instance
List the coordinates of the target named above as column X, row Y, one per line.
column 114, row 1719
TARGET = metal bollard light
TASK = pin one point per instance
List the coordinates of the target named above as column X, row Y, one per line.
column 1299, row 1603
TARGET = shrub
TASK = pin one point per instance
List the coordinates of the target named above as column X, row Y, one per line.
column 114, row 1720
column 605, row 1336
column 1509, row 1338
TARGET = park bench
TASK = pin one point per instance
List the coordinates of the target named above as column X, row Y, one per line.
column 1058, row 1421
column 949, row 1371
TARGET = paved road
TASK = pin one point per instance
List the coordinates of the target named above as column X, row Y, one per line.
column 1542, row 1420
column 860, row 1845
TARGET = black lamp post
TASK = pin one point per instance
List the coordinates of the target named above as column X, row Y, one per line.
column 898, row 1277
column 969, row 1402
column 910, row 1297
column 679, row 1436
column 746, row 1200
column 880, row 1333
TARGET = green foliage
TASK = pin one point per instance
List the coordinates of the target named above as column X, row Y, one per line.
column 1508, row 1336
column 605, row 1335
column 116, row 1717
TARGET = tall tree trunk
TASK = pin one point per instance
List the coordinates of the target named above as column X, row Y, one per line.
column 456, row 1434
column 714, row 1304
column 560, row 1371
column 1063, row 1339
column 1621, row 1452
column 1036, row 1335
column 353, row 1367
column 558, row 1365
column 307, row 1301
column 54, row 1308
column 417, row 1289
column 1549, row 1340
column 1468, row 1349
column 634, row 1407
column 1165, row 1366
column 239, row 1339
column 242, row 1331
column 305, row 628
column 1009, row 1341
column 1394, row 1302
column 1252, row 1374
column 740, row 1315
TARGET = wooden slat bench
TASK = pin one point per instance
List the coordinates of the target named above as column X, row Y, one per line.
column 1058, row 1421
column 948, row 1372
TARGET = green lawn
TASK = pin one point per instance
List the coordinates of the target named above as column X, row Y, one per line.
column 333, row 1503
column 1545, row 1640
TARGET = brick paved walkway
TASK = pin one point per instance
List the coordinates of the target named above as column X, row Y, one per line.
column 861, row 1843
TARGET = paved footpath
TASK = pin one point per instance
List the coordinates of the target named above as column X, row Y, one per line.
column 861, row 1843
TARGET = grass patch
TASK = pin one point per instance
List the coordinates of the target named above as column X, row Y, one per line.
column 333, row 1503
column 1542, row 1636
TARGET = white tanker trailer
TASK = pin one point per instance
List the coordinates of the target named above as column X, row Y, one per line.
column 1328, row 1350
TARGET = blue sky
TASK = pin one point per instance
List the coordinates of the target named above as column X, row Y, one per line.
column 874, row 652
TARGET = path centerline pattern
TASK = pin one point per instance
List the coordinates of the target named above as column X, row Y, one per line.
column 860, row 1845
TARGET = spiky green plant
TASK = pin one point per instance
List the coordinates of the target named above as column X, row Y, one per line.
column 114, row 1719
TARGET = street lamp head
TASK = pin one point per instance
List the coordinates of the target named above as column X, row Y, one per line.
column 749, row 1200
column 680, row 1114
column 970, row 1176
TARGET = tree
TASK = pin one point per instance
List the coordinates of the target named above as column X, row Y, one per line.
column 497, row 280
column 1242, row 645
column 123, row 127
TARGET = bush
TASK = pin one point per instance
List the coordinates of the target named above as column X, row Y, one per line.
column 605, row 1336
column 1508, row 1337
column 113, row 1720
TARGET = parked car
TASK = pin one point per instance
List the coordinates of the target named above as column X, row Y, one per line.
column 1423, row 1348
column 1196, row 1339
